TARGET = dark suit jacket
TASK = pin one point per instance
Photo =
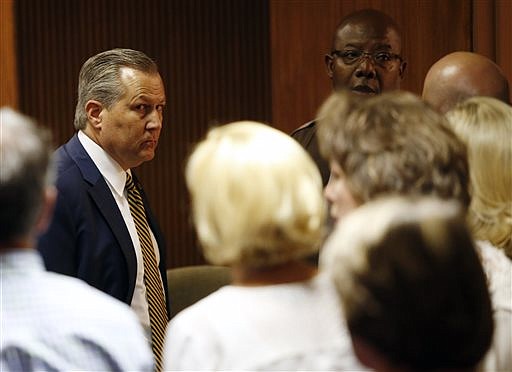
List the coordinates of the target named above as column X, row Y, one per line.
column 306, row 136
column 88, row 238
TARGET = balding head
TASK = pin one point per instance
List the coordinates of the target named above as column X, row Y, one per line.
column 461, row 75
column 371, row 21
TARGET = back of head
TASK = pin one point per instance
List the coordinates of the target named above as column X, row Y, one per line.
column 24, row 162
column 411, row 284
column 485, row 125
column 461, row 75
column 99, row 78
column 392, row 144
column 256, row 196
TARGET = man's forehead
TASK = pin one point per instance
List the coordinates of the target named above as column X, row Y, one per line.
column 379, row 34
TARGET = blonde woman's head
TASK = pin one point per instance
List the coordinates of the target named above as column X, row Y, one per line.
column 485, row 125
column 256, row 196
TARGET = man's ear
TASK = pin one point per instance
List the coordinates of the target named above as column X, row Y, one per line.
column 46, row 213
column 329, row 65
column 402, row 67
column 94, row 109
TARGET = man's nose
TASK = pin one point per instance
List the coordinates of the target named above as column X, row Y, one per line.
column 366, row 68
column 155, row 119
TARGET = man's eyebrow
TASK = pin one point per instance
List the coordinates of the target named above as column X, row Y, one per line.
column 146, row 98
column 376, row 46
column 356, row 45
column 383, row 46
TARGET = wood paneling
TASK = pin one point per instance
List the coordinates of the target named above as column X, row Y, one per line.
column 8, row 70
column 213, row 57
column 301, row 34
column 484, row 28
column 221, row 60
column 503, row 40
column 492, row 32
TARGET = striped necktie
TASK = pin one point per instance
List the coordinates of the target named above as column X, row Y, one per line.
column 154, row 290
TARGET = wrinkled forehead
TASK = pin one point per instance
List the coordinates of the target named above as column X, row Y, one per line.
column 368, row 35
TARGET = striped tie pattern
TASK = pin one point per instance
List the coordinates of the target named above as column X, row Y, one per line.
column 154, row 289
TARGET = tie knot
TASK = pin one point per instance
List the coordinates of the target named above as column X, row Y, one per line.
column 130, row 185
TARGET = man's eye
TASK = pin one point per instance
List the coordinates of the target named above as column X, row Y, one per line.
column 382, row 57
column 141, row 108
column 351, row 54
column 160, row 108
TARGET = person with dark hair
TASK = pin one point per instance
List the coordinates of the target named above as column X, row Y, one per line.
column 462, row 75
column 103, row 230
column 50, row 322
column 413, row 290
column 366, row 59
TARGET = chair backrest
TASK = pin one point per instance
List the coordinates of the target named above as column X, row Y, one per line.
column 189, row 284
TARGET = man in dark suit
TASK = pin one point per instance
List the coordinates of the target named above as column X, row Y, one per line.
column 98, row 233
column 365, row 59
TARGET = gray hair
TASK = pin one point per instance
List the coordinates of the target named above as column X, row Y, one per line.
column 99, row 78
column 25, row 154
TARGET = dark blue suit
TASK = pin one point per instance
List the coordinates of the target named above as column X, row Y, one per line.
column 88, row 238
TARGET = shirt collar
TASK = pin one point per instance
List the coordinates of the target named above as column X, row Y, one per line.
column 21, row 259
column 108, row 167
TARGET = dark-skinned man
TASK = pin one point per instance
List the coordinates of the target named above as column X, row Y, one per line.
column 366, row 59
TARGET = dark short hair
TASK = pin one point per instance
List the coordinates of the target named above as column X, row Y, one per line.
column 411, row 283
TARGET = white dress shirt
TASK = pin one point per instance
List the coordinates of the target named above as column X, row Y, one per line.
column 115, row 177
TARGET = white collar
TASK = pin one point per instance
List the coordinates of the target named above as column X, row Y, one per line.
column 113, row 173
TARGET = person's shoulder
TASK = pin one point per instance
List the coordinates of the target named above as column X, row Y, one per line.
column 305, row 128
column 87, row 300
column 305, row 134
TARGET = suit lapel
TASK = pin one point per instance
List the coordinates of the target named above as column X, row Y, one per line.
column 102, row 197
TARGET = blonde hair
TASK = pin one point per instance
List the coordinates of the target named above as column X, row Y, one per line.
column 485, row 125
column 256, row 196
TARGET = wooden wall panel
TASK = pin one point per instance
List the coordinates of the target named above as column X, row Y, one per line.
column 492, row 32
column 8, row 67
column 504, row 38
column 222, row 60
column 213, row 57
column 301, row 34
